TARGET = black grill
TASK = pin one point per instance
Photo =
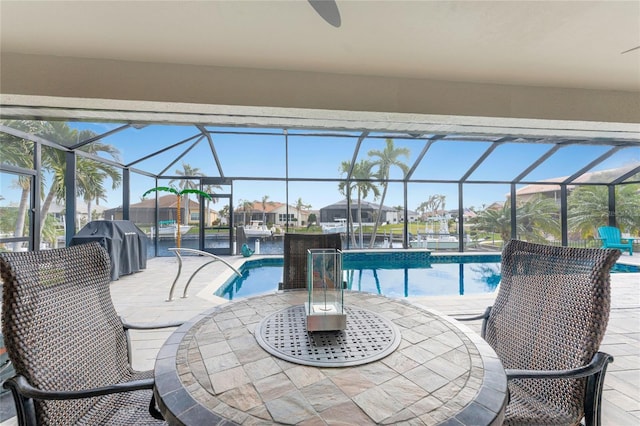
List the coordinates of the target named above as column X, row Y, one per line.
column 123, row 240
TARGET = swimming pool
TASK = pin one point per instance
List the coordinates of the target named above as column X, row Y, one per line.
column 394, row 274
column 391, row 274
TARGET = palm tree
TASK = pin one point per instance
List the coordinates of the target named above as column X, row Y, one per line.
column 628, row 206
column 90, row 174
column 495, row 221
column 589, row 208
column 90, row 177
column 224, row 212
column 210, row 189
column 301, row 205
column 246, row 205
column 433, row 204
column 19, row 152
column 49, row 231
column 179, row 195
column 187, row 171
column 362, row 184
column 442, row 201
column 423, row 208
column 536, row 219
column 90, row 186
column 264, row 208
column 17, row 158
column 386, row 158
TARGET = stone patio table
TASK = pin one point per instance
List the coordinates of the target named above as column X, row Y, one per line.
column 213, row 370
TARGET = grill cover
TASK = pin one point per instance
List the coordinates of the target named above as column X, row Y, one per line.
column 123, row 240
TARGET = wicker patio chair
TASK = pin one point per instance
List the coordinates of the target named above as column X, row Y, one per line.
column 546, row 326
column 69, row 348
column 295, row 256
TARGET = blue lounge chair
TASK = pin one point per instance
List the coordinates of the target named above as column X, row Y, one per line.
column 611, row 238
column 246, row 251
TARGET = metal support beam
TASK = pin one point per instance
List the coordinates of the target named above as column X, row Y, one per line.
column 31, row 137
column 362, row 136
column 179, row 157
column 36, row 220
column 126, row 193
column 460, row 218
column 349, row 218
column 98, row 137
column 156, row 219
column 70, row 196
column 536, row 163
column 514, row 215
column 206, row 133
column 160, row 151
column 592, row 164
column 99, row 159
column 421, row 155
column 483, row 157
column 405, row 228
column 612, row 205
column 286, row 179
column 563, row 215
column 626, row 176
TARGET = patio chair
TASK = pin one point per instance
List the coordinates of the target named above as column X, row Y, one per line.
column 612, row 238
column 68, row 346
column 546, row 326
column 295, row 256
column 246, row 251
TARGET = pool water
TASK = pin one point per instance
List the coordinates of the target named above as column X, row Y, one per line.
column 396, row 274
column 436, row 279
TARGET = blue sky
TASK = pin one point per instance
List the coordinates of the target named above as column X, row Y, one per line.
column 261, row 155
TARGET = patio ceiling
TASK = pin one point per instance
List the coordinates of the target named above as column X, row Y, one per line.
column 536, row 43
column 491, row 69
column 574, row 60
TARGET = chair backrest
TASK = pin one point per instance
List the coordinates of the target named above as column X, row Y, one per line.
column 60, row 326
column 295, row 256
column 610, row 233
column 551, row 313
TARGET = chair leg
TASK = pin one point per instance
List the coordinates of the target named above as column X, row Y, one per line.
column 25, row 410
column 593, row 397
column 153, row 410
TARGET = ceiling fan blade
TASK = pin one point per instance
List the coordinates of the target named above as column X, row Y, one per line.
column 328, row 9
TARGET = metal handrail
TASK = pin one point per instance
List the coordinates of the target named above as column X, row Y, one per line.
column 177, row 251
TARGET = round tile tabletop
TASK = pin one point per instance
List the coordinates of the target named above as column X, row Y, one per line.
column 213, row 370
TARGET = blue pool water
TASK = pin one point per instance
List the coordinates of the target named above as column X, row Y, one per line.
column 400, row 277
column 394, row 274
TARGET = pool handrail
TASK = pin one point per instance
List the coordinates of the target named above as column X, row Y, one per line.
column 177, row 250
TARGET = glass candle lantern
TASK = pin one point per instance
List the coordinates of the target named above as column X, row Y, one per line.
column 324, row 307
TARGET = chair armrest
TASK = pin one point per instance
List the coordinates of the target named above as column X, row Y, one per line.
column 7, row 365
column 22, row 386
column 482, row 316
column 150, row 326
column 599, row 361
column 127, row 326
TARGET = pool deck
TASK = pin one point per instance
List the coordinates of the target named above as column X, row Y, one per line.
column 141, row 297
